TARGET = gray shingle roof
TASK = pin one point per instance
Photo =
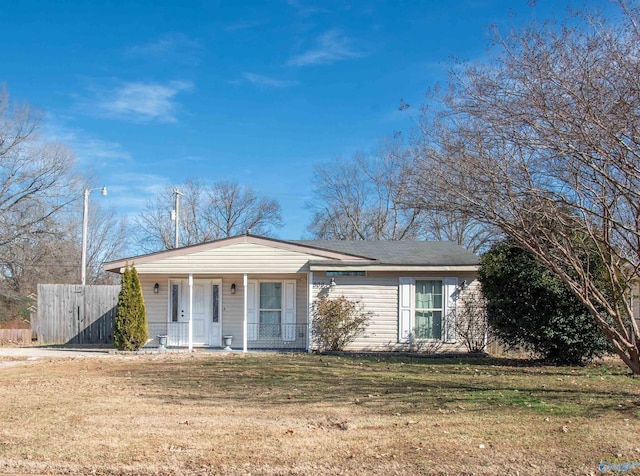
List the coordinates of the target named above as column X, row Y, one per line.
column 425, row 253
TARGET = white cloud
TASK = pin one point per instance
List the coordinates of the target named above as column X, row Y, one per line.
column 88, row 149
column 169, row 44
column 139, row 101
column 266, row 81
column 329, row 47
column 141, row 184
column 91, row 149
column 130, row 191
column 305, row 10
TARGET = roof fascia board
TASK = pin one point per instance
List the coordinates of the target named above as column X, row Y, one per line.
column 393, row 267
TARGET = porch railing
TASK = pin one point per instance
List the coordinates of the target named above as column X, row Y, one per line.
column 260, row 336
column 177, row 333
column 277, row 336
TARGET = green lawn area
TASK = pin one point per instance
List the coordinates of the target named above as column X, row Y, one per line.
column 214, row 413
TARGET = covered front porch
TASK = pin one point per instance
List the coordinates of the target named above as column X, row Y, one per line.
column 258, row 311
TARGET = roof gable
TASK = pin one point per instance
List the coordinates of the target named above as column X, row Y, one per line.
column 245, row 253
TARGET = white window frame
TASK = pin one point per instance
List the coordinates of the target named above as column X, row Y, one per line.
column 440, row 309
column 260, row 309
column 407, row 307
column 288, row 315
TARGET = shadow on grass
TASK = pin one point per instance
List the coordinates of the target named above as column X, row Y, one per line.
column 479, row 360
column 387, row 385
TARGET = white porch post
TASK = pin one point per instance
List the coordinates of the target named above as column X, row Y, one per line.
column 309, row 309
column 244, row 315
column 190, row 312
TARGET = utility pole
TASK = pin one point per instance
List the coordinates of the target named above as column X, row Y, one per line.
column 85, row 221
column 177, row 217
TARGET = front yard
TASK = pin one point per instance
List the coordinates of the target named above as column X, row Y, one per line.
column 210, row 413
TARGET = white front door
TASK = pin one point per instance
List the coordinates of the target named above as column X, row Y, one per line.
column 200, row 311
column 206, row 308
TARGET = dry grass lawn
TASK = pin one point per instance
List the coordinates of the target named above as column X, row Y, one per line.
column 214, row 413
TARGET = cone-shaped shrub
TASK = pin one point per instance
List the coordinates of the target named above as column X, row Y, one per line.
column 131, row 330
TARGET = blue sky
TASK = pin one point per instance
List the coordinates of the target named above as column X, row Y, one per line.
column 151, row 93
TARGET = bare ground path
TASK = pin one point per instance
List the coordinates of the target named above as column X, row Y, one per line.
column 34, row 353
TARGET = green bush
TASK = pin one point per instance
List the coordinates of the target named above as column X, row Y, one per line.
column 131, row 330
column 529, row 307
column 337, row 322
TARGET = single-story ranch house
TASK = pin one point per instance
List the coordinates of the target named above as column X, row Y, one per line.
column 261, row 290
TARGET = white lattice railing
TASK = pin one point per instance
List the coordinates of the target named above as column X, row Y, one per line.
column 261, row 336
column 177, row 334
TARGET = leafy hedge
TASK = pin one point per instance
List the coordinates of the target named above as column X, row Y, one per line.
column 529, row 307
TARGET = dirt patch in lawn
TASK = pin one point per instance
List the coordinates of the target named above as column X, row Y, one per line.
column 208, row 413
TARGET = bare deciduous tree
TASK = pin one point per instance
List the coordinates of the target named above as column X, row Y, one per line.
column 55, row 257
column 107, row 240
column 34, row 175
column 48, row 258
column 153, row 227
column 207, row 212
column 36, row 185
column 234, row 209
column 444, row 224
column 363, row 198
column 374, row 198
column 194, row 210
column 544, row 143
column 39, row 217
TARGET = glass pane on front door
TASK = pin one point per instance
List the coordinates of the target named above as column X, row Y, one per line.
column 215, row 311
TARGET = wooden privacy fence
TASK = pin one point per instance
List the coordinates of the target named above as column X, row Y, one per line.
column 75, row 314
column 15, row 336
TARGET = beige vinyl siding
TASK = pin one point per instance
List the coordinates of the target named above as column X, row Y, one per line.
column 238, row 258
column 232, row 309
column 155, row 304
column 378, row 292
column 232, row 304
column 379, row 295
